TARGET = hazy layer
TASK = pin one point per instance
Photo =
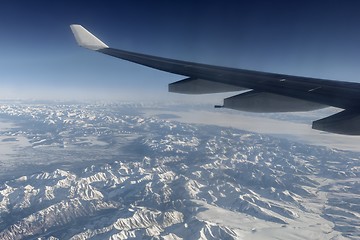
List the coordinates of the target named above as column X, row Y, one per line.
column 288, row 129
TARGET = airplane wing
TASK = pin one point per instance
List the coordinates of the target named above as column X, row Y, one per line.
column 266, row 92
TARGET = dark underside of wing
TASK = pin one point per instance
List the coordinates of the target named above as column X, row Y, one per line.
column 344, row 95
column 266, row 92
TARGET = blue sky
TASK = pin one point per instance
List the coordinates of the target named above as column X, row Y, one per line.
column 39, row 55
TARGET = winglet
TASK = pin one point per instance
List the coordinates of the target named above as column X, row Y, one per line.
column 86, row 39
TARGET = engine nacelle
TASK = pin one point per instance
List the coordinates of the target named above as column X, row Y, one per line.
column 265, row 102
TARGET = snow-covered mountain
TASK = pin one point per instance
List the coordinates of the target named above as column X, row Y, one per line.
column 108, row 172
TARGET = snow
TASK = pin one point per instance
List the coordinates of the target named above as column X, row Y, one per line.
column 243, row 225
column 130, row 176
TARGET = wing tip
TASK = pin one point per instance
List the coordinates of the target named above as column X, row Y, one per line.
column 86, row 39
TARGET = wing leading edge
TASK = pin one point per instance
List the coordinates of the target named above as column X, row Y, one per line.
column 268, row 92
